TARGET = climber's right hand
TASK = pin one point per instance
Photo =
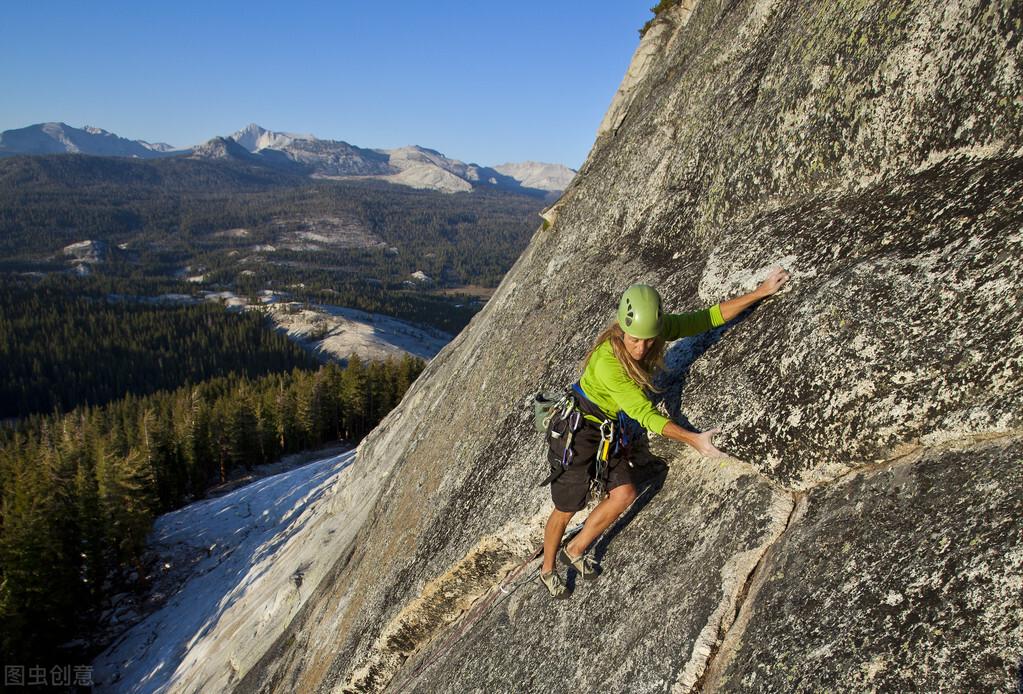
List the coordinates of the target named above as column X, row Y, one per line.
column 704, row 443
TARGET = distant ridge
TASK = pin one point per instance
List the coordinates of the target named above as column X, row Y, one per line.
column 413, row 166
column 61, row 138
column 535, row 174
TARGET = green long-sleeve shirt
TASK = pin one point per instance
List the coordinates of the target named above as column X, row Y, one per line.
column 609, row 387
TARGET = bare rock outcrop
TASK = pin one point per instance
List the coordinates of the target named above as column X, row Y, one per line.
column 865, row 532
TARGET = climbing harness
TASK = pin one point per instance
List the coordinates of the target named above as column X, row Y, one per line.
column 564, row 418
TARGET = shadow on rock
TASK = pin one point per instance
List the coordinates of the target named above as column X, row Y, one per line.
column 650, row 480
column 679, row 360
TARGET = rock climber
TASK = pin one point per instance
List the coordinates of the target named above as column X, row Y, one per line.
column 614, row 389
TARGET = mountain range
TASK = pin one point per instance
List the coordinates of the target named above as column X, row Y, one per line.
column 414, row 166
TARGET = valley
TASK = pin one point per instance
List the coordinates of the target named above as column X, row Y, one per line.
column 174, row 321
column 372, row 246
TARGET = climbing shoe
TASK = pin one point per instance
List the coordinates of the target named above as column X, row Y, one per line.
column 554, row 585
column 583, row 565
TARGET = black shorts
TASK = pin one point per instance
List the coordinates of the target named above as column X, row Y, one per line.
column 570, row 488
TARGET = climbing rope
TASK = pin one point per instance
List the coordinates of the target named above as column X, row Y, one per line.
column 508, row 585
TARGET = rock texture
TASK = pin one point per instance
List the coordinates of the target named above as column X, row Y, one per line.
column 905, row 577
column 865, row 533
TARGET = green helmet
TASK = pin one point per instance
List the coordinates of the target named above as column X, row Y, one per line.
column 639, row 311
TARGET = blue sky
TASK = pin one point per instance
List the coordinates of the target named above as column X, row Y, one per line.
column 487, row 82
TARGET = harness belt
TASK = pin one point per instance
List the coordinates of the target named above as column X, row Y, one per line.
column 579, row 410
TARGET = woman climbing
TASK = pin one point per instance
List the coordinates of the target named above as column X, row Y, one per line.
column 612, row 396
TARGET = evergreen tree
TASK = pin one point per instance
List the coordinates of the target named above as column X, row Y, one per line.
column 286, row 417
column 89, row 519
column 242, row 432
column 353, row 398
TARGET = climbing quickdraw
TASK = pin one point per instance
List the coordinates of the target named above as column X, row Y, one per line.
column 562, row 421
column 546, row 408
column 607, row 436
column 575, row 418
column 564, row 409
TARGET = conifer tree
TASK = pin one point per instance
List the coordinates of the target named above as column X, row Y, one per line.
column 285, row 416
column 89, row 520
column 242, row 432
column 136, row 501
column 353, row 398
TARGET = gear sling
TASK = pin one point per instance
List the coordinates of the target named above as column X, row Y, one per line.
column 565, row 419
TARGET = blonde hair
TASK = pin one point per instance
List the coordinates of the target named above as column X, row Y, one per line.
column 642, row 371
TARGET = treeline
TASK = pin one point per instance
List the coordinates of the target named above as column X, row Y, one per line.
column 449, row 314
column 79, row 492
column 60, row 348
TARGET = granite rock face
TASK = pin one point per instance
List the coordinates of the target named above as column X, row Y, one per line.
column 901, row 326
column 672, row 573
column 865, row 532
column 906, row 577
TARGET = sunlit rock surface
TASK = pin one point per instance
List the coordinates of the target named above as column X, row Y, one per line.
column 234, row 569
column 906, row 577
column 865, row 533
